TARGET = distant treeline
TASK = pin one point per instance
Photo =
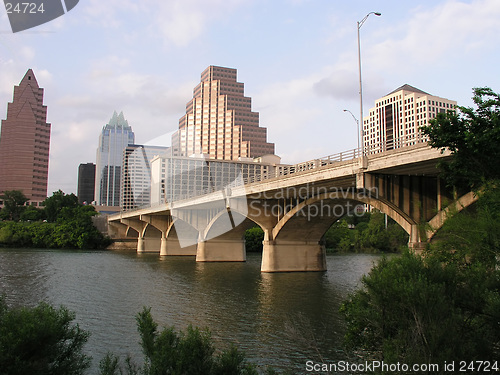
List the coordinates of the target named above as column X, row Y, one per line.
column 61, row 223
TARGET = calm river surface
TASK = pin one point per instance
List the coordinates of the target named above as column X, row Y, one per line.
column 279, row 319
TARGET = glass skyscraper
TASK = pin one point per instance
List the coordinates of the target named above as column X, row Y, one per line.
column 114, row 138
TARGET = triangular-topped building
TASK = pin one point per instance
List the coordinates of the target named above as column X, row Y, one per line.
column 219, row 122
column 25, row 142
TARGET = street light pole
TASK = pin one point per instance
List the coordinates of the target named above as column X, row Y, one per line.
column 357, row 122
column 360, row 23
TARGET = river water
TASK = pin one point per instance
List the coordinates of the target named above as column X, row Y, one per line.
column 278, row 319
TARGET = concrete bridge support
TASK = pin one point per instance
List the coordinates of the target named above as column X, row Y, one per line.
column 172, row 246
column 223, row 240
column 138, row 226
column 288, row 256
column 220, row 250
column 294, row 244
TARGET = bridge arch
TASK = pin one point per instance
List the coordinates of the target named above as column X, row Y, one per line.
column 131, row 232
column 437, row 222
column 225, row 227
column 223, row 239
column 150, row 231
column 336, row 200
column 182, row 232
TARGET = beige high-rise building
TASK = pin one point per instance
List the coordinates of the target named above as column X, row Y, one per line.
column 219, row 122
column 396, row 119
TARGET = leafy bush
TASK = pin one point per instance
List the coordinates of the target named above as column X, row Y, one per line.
column 189, row 352
column 413, row 310
column 41, row 340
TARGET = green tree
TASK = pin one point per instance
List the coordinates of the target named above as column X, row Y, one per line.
column 190, row 352
column 41, row 340
column 415, row 311
column 14, row 201
column 32, row 214
column 473, row 137
column 73, row 229
column 339, row 236
column 55, row 204
column 253, row 239
column 369, row 234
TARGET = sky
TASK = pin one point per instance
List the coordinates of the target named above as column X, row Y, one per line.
column 298, row 60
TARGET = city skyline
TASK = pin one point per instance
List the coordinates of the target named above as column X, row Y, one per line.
column 298, row 60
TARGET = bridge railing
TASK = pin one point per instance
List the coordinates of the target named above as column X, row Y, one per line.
column 282, row 171
column 316, row 163
column 392, row 144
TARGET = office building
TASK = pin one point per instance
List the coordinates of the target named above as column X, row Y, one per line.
column 219, row 121
column 136, row 175
column 86, row 183
column 25, row 141
column 396, row 119
column 176, row 177
column 115, row 136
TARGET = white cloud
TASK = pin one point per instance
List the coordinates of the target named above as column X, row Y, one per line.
column 450, row 30
column 44, row 76
column 26, row 53
column 295, row 114
column 106, row 13
column 181, row 21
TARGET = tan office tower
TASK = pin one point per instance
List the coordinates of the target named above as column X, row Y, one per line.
column 396, row 119
column 219, row 122
column 24, row 142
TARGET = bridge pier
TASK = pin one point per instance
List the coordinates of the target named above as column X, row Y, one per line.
column 163, row 244
column 172, row 247
column 415, row 242
column 140, row 244
column 216, row 250
column 290, row 256
column 417, row 247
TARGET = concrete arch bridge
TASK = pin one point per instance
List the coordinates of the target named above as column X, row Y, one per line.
column 296, row 208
